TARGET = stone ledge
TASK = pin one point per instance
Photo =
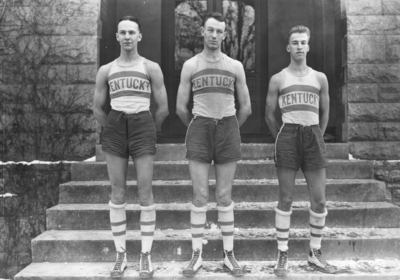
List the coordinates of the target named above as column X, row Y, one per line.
column 362, row 93
column 363, row 49
column 373, row 131
column 373, row 73
column 363, row 7
column 373, row 25
column 389, row 93
column 375, row 150
column 391, row 7
column 372, row 112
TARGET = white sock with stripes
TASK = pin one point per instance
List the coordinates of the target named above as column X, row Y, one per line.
column 147, row 225
column 198, row 217
column 282, row 225
column 118, row 225
column 226, row 222
column 317, row 224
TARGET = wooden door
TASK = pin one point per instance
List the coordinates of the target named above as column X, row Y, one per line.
column 182, row 40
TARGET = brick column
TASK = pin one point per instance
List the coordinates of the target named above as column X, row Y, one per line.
column 371, row 56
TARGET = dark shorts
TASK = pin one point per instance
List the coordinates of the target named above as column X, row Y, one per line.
column 129, row 134
column 300, row 146
column 209, row 140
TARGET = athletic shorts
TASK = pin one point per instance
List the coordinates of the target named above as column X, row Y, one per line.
column 300, row 146
column 129, row 134
column 215, row 140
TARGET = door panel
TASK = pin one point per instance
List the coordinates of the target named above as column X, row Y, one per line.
column 240, row 44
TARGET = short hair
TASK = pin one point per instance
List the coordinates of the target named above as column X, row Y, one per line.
column 298, row 29
column 131, row 18
column 217, row 16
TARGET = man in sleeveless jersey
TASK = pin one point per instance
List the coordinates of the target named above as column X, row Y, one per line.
column 302, row 96
column 213, row 135
column 129, row 130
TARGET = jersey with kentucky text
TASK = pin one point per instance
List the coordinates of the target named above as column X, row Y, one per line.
column 299, row 98
column 213, row 87
column 129, row 87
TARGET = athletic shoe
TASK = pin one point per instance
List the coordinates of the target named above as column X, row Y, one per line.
column 117, row 271
column 146, row 269
column 317, row 261
column 231, row 263
column 281, row 267
column 194, row 264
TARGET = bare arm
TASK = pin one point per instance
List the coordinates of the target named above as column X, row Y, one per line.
column 272, row 104
column 100, row 95
column 323, row 102
column 159, row 93
column 242, row 93
column 184, row 94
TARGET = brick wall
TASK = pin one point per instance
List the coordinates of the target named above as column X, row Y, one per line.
column 371, row 56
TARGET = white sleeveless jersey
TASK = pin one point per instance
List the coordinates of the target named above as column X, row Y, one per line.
column 299, row 98
column 213, row 87
column 130, row 88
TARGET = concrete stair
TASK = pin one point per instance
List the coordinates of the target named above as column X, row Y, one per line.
column 362, row 236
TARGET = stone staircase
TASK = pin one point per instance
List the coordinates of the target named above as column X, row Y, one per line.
column 362, row 235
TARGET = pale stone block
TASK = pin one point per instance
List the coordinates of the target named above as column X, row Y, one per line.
column 366, row 49
column 373, row 25
column 391, row 7
column 362, row 93
column 83, row 26
column 376, row 151
column 389, row 131
column 373, row 73
column 363, row 131
column 364, row 7
column 370, row 112
column 389, row 93
column 81, row 74
column 393, row 48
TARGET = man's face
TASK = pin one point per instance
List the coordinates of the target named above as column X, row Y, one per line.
column 213, row 33
column 298, row 46
column 128, row 34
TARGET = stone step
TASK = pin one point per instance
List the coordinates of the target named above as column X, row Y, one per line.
column 247, row 214
column 264, row 190
column 213, row 270
column 250, row 244
column 249, row 151
column 251, row 169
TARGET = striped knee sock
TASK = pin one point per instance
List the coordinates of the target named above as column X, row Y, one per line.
column 197, row 222
column 147, row 225
column 282, row 225
column 317, row 223
column 226, row 222
column 118, row 225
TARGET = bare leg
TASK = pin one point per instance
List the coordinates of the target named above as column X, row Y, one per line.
column 199, row 175
column 316, row 181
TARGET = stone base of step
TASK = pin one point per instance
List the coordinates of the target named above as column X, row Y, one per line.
column 247, row 215
column 298, row 270
column 250, row 244
column 246, row 169
column 249, row 151
column 262, row 190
